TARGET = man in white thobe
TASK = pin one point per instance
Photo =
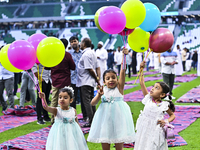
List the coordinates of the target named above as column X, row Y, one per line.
column 198, row 64
column 102, row 56
column 179, row 66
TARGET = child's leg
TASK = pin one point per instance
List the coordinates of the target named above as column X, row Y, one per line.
column 105, row 146
column 119, row 146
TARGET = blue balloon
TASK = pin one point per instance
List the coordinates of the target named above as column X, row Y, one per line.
column 152, row 18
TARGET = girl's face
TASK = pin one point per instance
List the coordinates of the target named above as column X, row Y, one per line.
column 64, row 100
column 110, row 80
column 156, row 91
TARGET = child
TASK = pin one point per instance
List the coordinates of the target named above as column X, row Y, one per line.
column 113, row 121
column 65, row 134
column 150, row 134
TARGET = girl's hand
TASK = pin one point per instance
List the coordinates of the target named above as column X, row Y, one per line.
column 125, row 51
column 161, row 122
column 142, row 65
column 41, row 95
column 100, row 91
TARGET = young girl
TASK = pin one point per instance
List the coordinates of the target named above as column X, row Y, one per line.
column 65, row 134
column 150, row 133
column 113, row 121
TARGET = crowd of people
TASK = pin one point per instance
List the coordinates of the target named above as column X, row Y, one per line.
column 76, row 77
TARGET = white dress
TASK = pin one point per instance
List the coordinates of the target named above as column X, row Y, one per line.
column 66, row 134
column 112, row 122
column 149, row 135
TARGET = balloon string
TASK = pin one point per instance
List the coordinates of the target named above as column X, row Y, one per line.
column 40, row 83
column 141, row 70
column 32, row 79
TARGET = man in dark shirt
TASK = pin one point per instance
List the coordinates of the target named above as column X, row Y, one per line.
column 60, row 76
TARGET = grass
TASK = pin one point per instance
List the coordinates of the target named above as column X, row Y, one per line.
column 190, row 134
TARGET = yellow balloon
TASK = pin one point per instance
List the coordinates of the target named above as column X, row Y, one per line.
column 96, row 16
column 135, row 13
column 50, row 51
column 138, row 40
column 5, row 61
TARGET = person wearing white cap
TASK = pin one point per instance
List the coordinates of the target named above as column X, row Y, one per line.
column 102, row 56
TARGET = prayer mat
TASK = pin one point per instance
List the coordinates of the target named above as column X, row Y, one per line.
column 192, row 96
column 137, row 96
column 184, row 79
column 12, row 121
column 129, row 86
column 145, row 80
column 185, row 115
column 146, row 73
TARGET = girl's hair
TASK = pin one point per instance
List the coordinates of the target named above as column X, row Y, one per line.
column 69, row 91
column 166, row 89
column 108, row 71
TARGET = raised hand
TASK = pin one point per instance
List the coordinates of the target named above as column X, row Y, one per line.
column 125, row 51
column 142, row 65
column 100, row 91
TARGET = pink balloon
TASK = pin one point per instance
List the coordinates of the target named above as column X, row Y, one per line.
column 22, row 55
column 161, row 40
column 126, row 32
column 112, row 20
column 35, row 40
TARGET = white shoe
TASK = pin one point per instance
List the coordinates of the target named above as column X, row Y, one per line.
column 173, row 97
column 15, row 97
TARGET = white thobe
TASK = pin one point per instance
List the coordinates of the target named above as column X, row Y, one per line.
column 139, row 60
column 179, row 66
column 156, row 61
column 198, row 64
column 103, row 55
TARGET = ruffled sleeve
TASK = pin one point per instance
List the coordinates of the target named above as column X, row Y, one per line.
column 164, row 106
column 146, row 99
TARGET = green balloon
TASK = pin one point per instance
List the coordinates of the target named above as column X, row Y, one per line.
column 96, row 17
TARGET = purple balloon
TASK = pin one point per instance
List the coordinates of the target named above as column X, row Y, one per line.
column 22, row 55
column 112, row 20
column 35, row 40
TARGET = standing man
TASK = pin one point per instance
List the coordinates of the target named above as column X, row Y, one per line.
column 118, row 58
column 76, row 55
column 6, row 81
column 102, row 56
column 179, row 66
column 134, row 62
column 168, row 60
column 87, row 78
column 46, row 88
column 60, row 76
column 27, row 82
column 184, row 54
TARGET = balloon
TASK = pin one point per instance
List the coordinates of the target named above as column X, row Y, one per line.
column 135, row 13
column 22, row 55
column 112, row 20
column 126, row 32
column 5, row 61
column 139, row 40
column 161, row 40
column 152, row 18
column 96, row 17
column 35, row 40
column 50, row 51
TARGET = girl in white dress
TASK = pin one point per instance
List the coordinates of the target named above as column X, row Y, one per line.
column 150, row 133
column 112, row 122
column 65, row 134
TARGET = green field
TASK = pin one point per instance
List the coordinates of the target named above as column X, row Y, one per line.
column 190, row 134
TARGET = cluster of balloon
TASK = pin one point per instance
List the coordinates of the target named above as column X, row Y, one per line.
column 22, row 55
column 134, row 19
